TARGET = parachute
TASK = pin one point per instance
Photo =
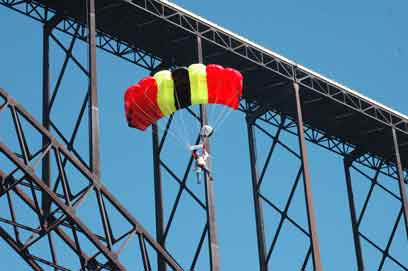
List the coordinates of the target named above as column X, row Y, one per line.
column 162, row 94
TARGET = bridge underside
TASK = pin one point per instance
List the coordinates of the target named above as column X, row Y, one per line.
column 170, row 35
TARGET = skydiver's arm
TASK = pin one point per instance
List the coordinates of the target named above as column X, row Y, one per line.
column 194, row 154
column 196, row 147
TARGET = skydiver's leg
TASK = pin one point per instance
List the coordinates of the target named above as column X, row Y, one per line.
column 208, row 172
column 198, row 174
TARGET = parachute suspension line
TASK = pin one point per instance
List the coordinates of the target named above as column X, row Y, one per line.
column 213, row 108
column 193, row 114
column 151, row 118
column 179, row 130
column 169, row 122
column 169, row 130
column 173, row 132
column 219, row 123
column 193, row 128
column 223, row 115
column 213, row 111
column 187, row 132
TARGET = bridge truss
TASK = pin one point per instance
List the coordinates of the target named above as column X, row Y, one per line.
column 53, row 179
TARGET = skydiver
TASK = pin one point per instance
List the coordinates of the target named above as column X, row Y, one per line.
column 200, row 156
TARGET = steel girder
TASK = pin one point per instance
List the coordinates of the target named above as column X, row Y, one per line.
column 266, row 250
column 359, row 217
column 272, row 62
column 268, row 116
column 52, row 24
column 260, row 119
column 55, row 200
column 100, row 250
column 186, row 191
column 244, row 49
column 209, row 188
column 247, row 51
column 106, row 42
column 260, row 200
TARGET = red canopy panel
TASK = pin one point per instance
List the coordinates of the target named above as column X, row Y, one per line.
column 141, row 104
column 224, row 86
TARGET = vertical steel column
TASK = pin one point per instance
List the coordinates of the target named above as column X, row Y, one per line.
column 311, row 218
column 260, row 231
column 347, row 161
column 209, row 189
column 158, row 196
column 401, row 183
column 94, row 146
column 46, row 165
column 93, row 94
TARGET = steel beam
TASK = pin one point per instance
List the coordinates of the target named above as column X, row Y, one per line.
column 243, row 51
column 94, row 150
column 158, row 196
column 401, row 182
column 93, row 110
column 182, row 182
column 209, row 189
column 18, row 248
column 46, row 166
column 281, row 123
column 260, row 58
column 330, row 143
column 259, row 220
column 347, row 161
column 66, row 207
column 158, row 190
column 311, row 217
column 63, row 207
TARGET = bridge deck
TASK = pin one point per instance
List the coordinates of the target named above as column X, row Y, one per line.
column 169, row 32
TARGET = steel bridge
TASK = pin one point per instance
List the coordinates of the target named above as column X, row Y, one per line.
column 53, row 178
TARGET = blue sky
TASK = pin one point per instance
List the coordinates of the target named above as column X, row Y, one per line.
column 362, row 45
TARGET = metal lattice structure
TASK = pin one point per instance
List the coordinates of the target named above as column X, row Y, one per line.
column 60, row 210
column 54, row 180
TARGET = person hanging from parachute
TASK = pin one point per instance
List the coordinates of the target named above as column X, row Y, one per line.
column 200, row 154
column 167, row 91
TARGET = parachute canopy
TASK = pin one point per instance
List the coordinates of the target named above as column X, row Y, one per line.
column 168, row 91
